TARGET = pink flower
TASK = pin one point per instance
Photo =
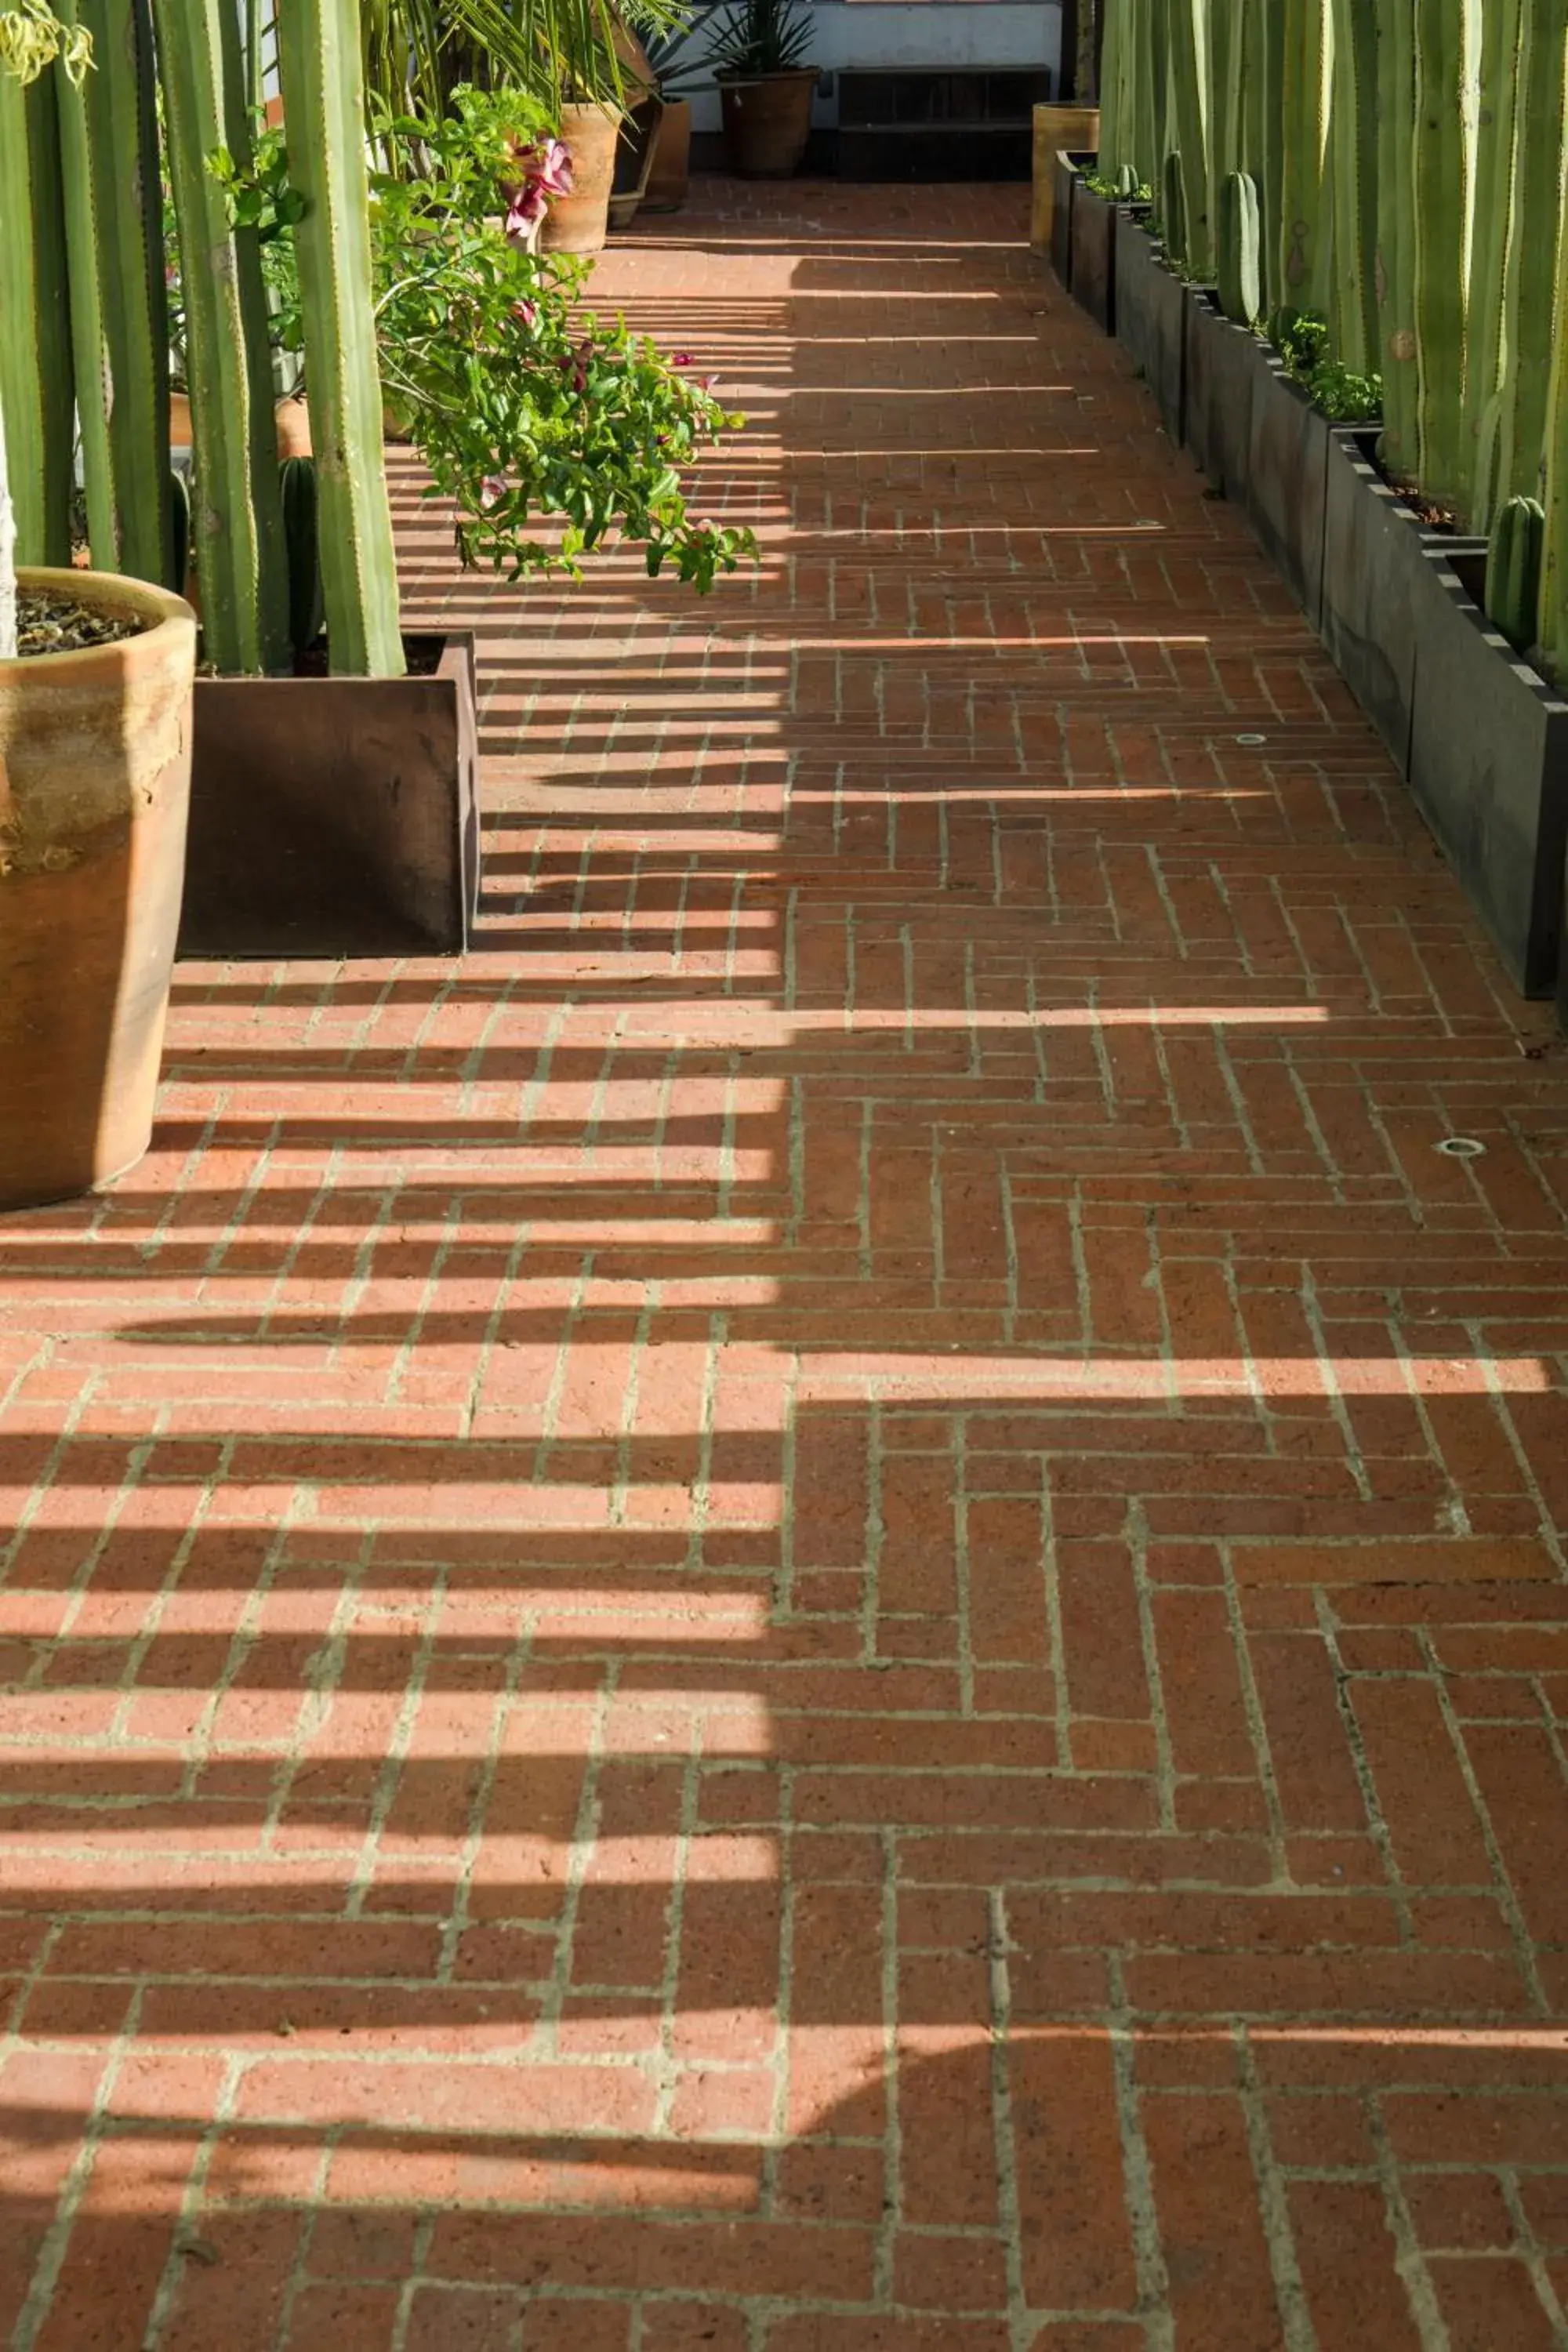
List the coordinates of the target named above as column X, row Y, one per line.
column 549, row 165
column 492, row 489
column 681, row 359
column 525, row 207
column 706, row 382
column 526, row 313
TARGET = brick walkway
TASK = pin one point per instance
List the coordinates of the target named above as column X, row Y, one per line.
column 819, row 1612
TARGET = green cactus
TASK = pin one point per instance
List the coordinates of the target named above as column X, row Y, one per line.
column 36, row 386
column 306, row 606
column 1513, row 570
column 1529, row 290
column 1174, row 212
column 1306, row 62
column 1189, row 94
column 1396, row 235
column 323, row 96
column 238, row 517
column 1115, row 126
column 1486, row 356
column 1263, row 131
column 120, row 327
column 1352, row 307
column 1444, row 185
column 179, row 500
column 1239, row 248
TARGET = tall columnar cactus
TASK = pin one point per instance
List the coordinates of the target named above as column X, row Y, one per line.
column 1486, row 357
column 36, row 387
column 1397, row 234
column 1353, row 164
column 1529, row 289
column 1446, row 61
column 238, row 517
column 323, row 102
column 1306, row 72
column 1115, row 129
column 1265, row 132
column 1190, row 128
column 119, row 325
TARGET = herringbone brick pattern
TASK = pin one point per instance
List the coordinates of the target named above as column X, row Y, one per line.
column 821, row 1610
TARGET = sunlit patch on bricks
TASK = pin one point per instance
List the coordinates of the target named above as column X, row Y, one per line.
column 824, row 1609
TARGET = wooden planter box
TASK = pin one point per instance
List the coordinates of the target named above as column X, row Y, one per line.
column 335, row 816
column 1151, row 322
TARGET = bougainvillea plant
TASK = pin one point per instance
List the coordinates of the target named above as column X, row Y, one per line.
column 525, row 406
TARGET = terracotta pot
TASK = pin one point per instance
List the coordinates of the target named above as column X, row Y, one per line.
column 95, row 771
column 669, row 175
column 291, row 417
column 577, row 222
column 767, row 122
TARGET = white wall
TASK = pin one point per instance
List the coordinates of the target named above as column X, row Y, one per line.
column 890, row 32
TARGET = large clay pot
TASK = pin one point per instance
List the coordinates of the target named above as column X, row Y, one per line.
column 669, row 175
column 577, row 222
column 95, row 771
column 767, row 122
column 1074, row 128
column 291, row 416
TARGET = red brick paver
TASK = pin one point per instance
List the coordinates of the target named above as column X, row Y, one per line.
column 821, row 1611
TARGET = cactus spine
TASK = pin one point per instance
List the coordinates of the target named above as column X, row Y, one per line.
column 238, row 517
column 323, row 95
column 120, row 328
column 36, row 388
column 1240, row 244
column 1513, row 570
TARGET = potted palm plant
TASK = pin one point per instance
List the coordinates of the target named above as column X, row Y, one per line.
column 96, row 674
column 765, row 87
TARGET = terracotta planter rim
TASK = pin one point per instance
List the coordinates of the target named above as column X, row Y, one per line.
column 113, row 592
column 756, row 80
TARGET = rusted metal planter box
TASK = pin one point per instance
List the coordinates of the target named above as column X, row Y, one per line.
column 336, row 816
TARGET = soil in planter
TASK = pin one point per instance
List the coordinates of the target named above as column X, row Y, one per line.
column 423, row 656
column 50, row 623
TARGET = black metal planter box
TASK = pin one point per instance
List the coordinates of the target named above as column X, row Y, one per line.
column 1061, row 216
column 1222, row 363
column 1376, row 583
column 1480, row 736
column 1151, row 323
column 335, row 816
column 1285, row 490
column 1489, row 767
column 1094, row 232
